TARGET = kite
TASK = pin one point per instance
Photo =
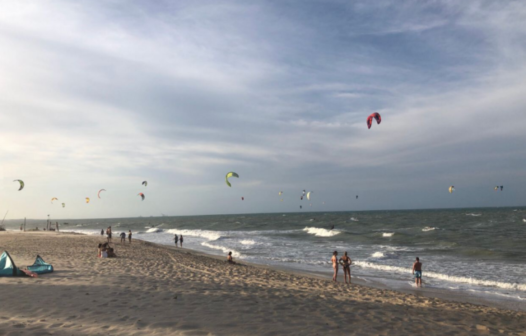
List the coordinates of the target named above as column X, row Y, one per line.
column 308, row 195
column 87, row 199
column 356, row 196
column 242, row 198
column 145, row 183
column 303, row 194
column 100, row 191
column 281, row 200
column 280, row 193
column 376, row 116
column 301, row 207
column 54, row 199
column 451, row 189
column 142, row 195
column 21, row 184
column 501, row 187
column 63, row 205
column 496, row 188
column 230, row 174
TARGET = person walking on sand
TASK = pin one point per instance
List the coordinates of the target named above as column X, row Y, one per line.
column 346, row 263
column 123, row 237
column 417, row 271
column 334, row 260
column 181, row 240
column 176, row 239
column 102, row 232
column 129, row 236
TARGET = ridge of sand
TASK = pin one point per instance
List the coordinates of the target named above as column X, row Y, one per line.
column 153, row 290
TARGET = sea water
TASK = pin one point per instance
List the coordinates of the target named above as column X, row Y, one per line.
column 478, row 251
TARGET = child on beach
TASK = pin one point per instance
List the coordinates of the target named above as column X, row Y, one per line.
column 181, row 240
column 229, row 258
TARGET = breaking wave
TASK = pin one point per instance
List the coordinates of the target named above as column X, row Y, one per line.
column 319, row 232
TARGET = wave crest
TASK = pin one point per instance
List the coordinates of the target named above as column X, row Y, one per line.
column 319, row 232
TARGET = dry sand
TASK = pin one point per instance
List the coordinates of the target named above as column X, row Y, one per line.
column 155, row 290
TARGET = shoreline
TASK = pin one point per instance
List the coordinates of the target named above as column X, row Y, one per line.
column 156, row 289
column 490, row 300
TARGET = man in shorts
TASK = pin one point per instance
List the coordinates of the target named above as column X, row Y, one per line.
column 417, row 271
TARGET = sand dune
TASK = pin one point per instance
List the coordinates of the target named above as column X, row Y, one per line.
column 152, row 290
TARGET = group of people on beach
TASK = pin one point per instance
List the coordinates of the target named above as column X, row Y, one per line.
column 345, row 261
column 122, row 235
column 178, row 239
column 105, row 251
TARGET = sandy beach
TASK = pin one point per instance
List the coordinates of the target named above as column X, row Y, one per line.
column 157, row 290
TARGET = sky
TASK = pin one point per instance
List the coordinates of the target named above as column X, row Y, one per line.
column 108, row 94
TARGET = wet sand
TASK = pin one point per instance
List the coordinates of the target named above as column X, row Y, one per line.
column 153, row 290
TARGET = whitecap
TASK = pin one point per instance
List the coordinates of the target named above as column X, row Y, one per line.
column 354, row 219
column 248, row 242
column 377, row 255
column 154, row 230
column 388, row 234
column 429, row 228
column 222, row 248
column 319, row 232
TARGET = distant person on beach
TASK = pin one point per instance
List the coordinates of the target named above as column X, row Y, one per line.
column 102, row 232
column 129, row 236
column 21, row 227
column 56, row 226
column 346, row 263
column 123, row 237
column 108, row 233
column 334, row 260
column 417, row 271
column 176, row 240
column 99, row 251
column 229, row 258
column 181, row 240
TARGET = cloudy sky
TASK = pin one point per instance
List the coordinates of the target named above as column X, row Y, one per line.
column 107, row 94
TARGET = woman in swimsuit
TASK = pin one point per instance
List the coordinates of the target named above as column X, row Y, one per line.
column 334, row 260
column 346, row 262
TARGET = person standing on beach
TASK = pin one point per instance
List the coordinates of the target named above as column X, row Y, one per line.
column 181, row 240
column 417, row 271
column 129, row 236
column 176, row 239
column 123, row 237
column 334, row 260
column 108, row 233
column 102, row 232
column 346, row 262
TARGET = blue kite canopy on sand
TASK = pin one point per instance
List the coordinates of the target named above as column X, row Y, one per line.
column 40, row 266
column 8, row 267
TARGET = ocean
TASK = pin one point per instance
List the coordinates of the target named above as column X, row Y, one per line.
column 477, row 251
